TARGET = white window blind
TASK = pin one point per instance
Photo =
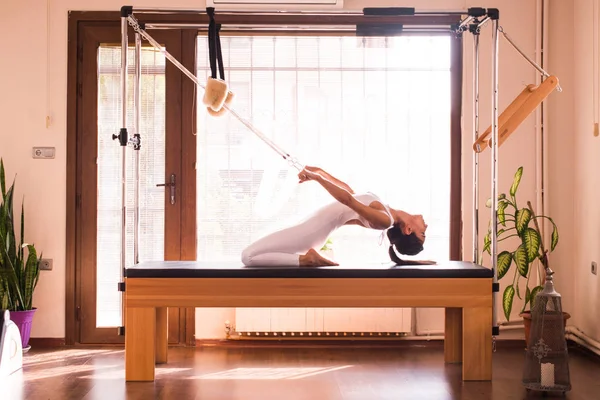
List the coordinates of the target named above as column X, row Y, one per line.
column 152, row 171
column 373, row 112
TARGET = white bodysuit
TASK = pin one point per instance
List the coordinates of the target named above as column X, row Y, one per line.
column 283, row 247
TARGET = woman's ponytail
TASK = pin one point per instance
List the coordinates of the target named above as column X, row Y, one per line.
column 394, row 257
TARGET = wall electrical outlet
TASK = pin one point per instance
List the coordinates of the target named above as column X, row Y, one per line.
column 43, row 152
column 46, row 264
column 594, row 268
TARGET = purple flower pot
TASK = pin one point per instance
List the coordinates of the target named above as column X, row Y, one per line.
column 23, row 321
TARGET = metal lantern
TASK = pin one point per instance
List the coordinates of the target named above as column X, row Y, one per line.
column 547, row 358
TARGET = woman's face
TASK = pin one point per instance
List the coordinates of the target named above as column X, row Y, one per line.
column 417, row 226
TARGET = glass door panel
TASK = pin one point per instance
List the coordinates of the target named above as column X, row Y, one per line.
column 151, row 172
column 99, row 178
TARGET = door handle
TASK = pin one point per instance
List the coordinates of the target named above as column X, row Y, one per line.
column 171, row 185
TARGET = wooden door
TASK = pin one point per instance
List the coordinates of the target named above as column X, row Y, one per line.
column 167, row 221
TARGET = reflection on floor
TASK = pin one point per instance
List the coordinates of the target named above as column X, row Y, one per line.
column 273, row 372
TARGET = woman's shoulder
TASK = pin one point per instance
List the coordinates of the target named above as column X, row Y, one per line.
column 370, row 195
column 367, row 197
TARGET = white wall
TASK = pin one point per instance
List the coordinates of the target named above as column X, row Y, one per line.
column 561, row 155
column 34, row 84
column 586, row 189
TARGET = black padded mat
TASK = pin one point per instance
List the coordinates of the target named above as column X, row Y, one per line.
column 207, row 269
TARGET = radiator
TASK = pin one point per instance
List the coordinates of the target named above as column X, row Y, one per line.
column 321, row 322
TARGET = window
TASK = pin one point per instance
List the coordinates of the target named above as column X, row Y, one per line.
column 375, row 112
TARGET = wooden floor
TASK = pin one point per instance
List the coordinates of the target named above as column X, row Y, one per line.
column 283, row 372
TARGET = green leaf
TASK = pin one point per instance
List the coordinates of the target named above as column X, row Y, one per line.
column 531, row 242
column 534, row 292
column 507, row 301
column 32, row 273
column 520, row 257
column 487, row 243
column 504, row 262
column 2, row 179
column 501, row 207
column 22, row 230
column 516, row 181
column 522, row 219
column 554, row 237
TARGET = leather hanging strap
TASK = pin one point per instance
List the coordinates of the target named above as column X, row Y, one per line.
column 214, row 46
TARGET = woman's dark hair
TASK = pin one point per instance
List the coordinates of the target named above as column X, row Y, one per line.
column 409, row 245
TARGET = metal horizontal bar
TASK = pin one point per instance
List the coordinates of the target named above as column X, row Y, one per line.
column 284, row 19
column 168, row 10
column 174, row 10
column 204, row 27
column 436, row 12
column 248, row 27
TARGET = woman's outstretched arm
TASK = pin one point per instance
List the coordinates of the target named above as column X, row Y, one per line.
column 377, row 219
column 331, row 178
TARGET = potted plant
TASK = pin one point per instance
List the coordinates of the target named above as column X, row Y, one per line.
column 19, row 265
column 527, row 253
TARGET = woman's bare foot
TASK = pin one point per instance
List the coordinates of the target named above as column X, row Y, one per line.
column 313, row 258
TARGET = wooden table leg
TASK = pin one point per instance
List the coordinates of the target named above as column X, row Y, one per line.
column 453, row 335
column 162, row 344
column 477, row 344
column 140, row 347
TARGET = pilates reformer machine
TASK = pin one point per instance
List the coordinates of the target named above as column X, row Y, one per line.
column 467, row 291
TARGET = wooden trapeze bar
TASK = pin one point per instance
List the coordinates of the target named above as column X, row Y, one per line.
column 514, row 115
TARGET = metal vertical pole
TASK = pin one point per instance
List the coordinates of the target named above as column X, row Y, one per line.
column 123, row 137
column 494, row 161
column 136, row 129
column 475, row 153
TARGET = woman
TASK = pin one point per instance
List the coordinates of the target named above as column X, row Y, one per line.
column 296, row 245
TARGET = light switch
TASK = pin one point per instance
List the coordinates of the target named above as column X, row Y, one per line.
column 43, row 152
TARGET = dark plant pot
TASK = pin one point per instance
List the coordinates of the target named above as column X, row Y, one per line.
column 526, row 315
column 22, row 320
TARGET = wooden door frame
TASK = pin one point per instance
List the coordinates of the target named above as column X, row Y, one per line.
column 185, row 248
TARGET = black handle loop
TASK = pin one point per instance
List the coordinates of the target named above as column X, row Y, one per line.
column 219, row 55
column 214, row 46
